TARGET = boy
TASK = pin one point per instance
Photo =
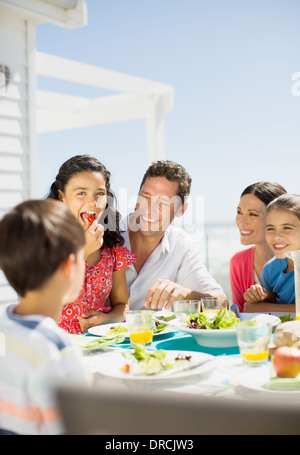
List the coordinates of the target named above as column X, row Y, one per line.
column 42, row 257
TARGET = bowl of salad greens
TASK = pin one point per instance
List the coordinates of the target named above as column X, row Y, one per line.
column 210, row 329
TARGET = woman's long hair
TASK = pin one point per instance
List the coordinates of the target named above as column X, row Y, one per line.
column 110, row 218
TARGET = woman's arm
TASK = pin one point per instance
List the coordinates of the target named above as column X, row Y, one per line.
column 119, row 301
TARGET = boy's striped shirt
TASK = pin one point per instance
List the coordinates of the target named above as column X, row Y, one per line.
column 35, row 356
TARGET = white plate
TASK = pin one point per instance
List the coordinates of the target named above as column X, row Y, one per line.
column 109, row 364
column 254, row 386
column 261, row 318
column 219, row 338
column 101, row 330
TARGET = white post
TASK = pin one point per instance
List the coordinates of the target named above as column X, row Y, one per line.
column 31, row 103
column 155, row 132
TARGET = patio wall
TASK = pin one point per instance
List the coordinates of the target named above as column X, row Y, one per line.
column 16, row 35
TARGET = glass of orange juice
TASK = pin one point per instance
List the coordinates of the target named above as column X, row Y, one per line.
column 140, row 325
column 253, row 341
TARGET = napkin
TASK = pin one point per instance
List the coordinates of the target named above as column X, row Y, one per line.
column 97, row 342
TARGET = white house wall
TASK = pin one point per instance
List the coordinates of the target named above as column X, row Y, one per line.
column 14, row 123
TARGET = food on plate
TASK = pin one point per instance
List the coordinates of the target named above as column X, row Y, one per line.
column 117, row 329
column 224, row 319
column 287, row 334
column 143, row 362
column 286, row 317
column 168, row 317
column 159, row 326
column 286, row 362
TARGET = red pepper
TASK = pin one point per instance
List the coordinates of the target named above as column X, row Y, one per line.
column 127, row 368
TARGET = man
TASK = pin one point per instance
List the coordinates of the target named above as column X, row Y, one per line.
column 168, row 267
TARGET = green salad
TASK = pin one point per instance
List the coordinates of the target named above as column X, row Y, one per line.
column 159, row 326
column 286, row 317
column 143, row 362
column 116, row 330
column 224, row 319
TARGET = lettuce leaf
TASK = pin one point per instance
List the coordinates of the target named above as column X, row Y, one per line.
column 224, row 319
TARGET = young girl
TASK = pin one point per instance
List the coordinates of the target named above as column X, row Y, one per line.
column 83, row 183
column 277, row 292
column 246, row 265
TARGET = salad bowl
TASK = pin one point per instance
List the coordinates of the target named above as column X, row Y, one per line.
column 212, row 338
column 223, row 335
column 208, row 337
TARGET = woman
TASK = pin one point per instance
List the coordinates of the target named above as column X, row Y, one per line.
column 246, row 265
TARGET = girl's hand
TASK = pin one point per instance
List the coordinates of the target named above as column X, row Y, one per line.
column 90, row 319
column 256, row 293
column 93, row 238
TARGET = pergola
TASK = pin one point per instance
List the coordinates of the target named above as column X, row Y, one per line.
column 136, row 98
column 26, row 111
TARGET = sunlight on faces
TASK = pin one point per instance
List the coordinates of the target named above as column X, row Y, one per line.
column 251, row 220
column 85, row 195
column 157, row 205
column 283, row 232
column 155, row 214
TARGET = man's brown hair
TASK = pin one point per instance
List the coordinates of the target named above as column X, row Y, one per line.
column 36, row 237
column 173, row 172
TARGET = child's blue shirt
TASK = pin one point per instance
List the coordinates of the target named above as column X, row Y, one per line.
column 274, row 279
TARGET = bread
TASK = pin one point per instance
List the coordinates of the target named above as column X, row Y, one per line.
column 287, row 334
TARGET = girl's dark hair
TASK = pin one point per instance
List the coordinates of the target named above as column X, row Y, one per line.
column 110, row 218
column 36, row 237
column 264, row 191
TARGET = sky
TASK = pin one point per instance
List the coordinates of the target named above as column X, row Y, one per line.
column 234, row 67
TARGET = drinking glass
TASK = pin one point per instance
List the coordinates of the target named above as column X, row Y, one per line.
column 253, row 341
column 213, row 304
column 140, row 325
column 183, row 309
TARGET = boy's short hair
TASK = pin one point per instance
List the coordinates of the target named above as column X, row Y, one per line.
column 36, row 237
column 173, row 172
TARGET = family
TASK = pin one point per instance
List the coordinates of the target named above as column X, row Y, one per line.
column 148, row 262
column 75, row 264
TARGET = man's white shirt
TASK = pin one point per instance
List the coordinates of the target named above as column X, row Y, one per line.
column 175, row 258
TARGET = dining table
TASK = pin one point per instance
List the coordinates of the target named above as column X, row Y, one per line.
column 224, row 375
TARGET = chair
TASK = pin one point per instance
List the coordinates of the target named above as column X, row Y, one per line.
column 114, row 412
